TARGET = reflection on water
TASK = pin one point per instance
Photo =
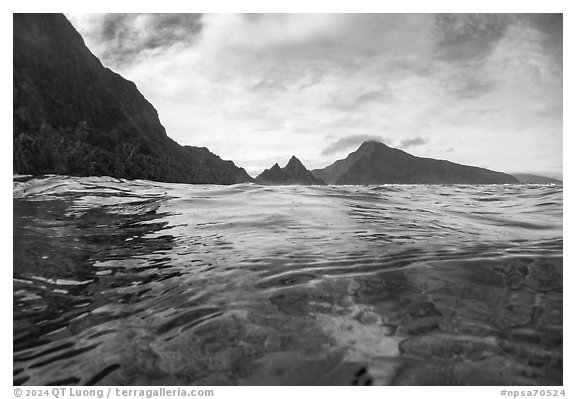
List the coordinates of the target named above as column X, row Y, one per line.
column 121, row 283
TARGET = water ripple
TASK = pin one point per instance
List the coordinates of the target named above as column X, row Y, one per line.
column 135, row 282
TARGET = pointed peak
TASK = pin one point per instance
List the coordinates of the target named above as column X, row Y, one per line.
column 294, row 165
column 371, row 145
column 294, row 161
column 275, row 166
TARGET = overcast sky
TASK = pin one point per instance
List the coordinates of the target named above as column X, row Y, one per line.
column 483, row 90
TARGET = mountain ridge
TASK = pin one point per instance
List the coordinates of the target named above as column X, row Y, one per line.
column 293, row 173
column 74, row 116
column 531, row 178
column 376, row 163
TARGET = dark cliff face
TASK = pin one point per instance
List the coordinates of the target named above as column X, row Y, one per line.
column 293, row 173
column 74, row 116
column 376, row 163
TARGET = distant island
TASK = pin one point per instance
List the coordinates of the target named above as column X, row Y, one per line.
column 376, row 163
column 535, row 179
column 73, row 116
column 293, row 173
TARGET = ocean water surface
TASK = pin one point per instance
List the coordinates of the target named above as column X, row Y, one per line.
column 144, row 283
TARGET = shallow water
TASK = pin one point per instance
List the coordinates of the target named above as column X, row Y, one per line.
column 137, row 282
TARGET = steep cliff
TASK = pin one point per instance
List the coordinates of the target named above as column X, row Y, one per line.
column 74, row 116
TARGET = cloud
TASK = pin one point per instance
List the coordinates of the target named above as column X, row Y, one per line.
column 351, row 141
column 373, row 96
column 125, row 38
column 412, row 142
column 261, row 87
column 267, row 86
column 355, row 140
column 465, row 37
column 550, row 28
